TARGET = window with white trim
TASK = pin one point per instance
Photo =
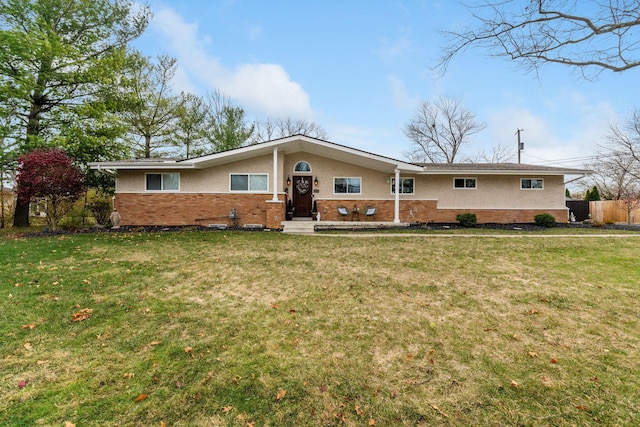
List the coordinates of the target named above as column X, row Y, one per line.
column 531, row 184
column 406, row 186
column 162, row 181
column 465, row 183
column 302, row 167
column 249, row 182
column 347, row 185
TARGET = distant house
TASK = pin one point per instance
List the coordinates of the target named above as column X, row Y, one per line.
column 254, row 185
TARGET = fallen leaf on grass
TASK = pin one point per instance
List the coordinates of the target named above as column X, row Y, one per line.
column 28, row 346
column 42, row 362
column 553, row 361
column 582, row 408
column 29, row 326
column 69, row 424
column 189, row 350
column 372, row 422
column 358, row 411
column 281, row 394
column 534, row 311
column 81, row 315
column 129, row 375
column 141, row 397
column 532, row 354
column 514, row 384
column 439, row 411
column 23, row 383
column 227, row 409
column 154, row 343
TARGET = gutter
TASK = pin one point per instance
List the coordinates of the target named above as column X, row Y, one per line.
column 575, row 179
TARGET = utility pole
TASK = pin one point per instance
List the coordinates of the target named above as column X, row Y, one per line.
column 520, row 144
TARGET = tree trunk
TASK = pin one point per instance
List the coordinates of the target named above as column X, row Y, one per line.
column 21, row 215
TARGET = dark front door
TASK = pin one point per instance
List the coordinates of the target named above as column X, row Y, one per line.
column 302, row 195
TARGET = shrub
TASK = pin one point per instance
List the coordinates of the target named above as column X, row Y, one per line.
column 101, row 210
column 544, row 220
column 467, row 219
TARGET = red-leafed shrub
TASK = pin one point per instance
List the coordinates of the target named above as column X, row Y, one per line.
column 51, row 175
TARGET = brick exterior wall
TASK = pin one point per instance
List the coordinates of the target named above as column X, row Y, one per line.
column 427, row 211
column 199, row 209
column 177, row 209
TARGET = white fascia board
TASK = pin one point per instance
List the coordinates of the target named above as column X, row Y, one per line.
column 505, row 172
column 138, row 166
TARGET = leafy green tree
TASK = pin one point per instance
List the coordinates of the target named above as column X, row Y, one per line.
column 193, row 126
column 157, row 109
column 51, row 175
column 593, row 194
column 56, row 57
column 229, row 127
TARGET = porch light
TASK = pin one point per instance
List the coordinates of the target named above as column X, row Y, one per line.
column 315, row 181
column 288, row 181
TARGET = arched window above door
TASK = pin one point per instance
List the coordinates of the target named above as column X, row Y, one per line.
column 302, row 167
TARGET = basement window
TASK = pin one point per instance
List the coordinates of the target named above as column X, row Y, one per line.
column 163, row 182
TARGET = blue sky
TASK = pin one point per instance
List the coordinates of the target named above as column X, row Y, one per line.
column 360, row 68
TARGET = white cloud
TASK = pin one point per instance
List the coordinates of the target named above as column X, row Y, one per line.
column 401, row 97
column 254, row 31
column 568, row 140
column 264, row 89
column 390, row 51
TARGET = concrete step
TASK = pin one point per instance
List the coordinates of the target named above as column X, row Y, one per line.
column 298, row 227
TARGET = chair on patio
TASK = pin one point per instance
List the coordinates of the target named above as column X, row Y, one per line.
column 343, row 212
column 369, row 211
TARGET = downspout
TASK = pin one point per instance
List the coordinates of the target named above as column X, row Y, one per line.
column 275, row 174
column 396, row 207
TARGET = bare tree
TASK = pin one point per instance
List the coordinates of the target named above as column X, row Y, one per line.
column 592, row 35
column 626, row 141
column 617, row 171
column 499, row 154
column 282, row 128
column 439, row 129
column 611, row 175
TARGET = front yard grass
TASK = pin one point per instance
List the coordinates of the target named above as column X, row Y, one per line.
column 256, row 329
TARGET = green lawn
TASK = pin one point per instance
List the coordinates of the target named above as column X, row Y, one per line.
column 256, row 329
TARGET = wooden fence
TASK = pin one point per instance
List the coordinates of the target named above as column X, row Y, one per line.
column 612, row 211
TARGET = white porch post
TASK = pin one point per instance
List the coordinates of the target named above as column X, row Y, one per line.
column 275, row 174
column 396, row 207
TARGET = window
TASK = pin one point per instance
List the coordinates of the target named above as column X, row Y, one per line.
column 254, row 182
column 532, row 184
column 406, row 186
column 163, row 181
column 468, row 183
column 302, row 167
column 346, row 185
